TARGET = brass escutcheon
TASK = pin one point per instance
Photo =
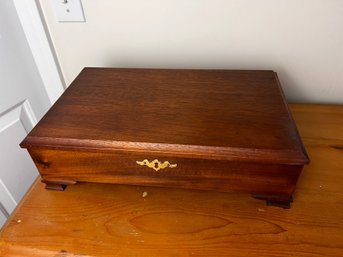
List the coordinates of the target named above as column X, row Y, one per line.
column 156, row 164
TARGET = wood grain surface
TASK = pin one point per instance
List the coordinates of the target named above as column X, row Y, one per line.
column 224, row 176
column 111, row 220
column 215, row 114
column 227, row 130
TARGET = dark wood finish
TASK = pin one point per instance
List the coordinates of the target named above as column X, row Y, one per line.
column 226, row 130
column 57, row 184
column 103, row 220
column 109, row 167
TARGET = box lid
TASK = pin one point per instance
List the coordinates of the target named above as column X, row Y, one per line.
column 210, row 114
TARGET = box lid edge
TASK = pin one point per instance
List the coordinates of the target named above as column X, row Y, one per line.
column 281, row 156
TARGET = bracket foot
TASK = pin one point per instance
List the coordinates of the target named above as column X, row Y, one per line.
column 59, row 185
column 283, row 201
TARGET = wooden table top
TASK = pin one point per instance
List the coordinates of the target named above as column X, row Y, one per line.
column 110, row 220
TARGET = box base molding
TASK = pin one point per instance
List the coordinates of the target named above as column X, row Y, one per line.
column 283, row 201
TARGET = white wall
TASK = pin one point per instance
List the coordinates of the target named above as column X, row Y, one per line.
column 300, row 39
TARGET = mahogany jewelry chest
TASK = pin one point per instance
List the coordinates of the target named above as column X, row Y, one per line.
column 224, row 130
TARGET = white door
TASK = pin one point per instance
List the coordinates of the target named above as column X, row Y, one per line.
column 23, row 101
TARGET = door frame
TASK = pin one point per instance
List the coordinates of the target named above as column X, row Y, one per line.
column 39, row 41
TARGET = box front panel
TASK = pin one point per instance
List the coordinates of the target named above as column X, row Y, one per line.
column 166, row 171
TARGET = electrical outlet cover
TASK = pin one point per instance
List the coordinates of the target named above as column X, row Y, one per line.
column 68, row 10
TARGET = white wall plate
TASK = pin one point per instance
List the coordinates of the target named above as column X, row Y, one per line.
column 68, row 10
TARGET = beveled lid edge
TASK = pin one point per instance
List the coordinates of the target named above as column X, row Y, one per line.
column 282, row 156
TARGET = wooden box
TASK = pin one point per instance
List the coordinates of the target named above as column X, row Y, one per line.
column 224, row 130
